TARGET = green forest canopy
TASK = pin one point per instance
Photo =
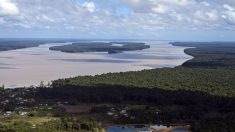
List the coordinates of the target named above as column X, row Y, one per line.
column 210, row 71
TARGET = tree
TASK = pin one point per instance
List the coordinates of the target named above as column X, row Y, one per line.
column 42, row 84
column 2, row 88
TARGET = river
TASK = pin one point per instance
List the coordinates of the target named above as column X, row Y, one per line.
column 30, row 66
column 132, row 128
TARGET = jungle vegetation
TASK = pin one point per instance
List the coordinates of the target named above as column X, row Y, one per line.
column 210, row 71
column 201, row 91
column 110, row 47
column 58, row 125
column 210, row 54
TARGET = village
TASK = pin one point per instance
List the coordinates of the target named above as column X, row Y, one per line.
column 21, row 105
column 21, row 101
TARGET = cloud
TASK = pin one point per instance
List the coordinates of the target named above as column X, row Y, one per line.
column 229, row 14
column 90, row 6
column 45, row 18
column 160, row 8
column 207, row 15
column 2, row 21
column 232, row 2
column 228, row 7
column 8, row 8
column 102, row 17
column 177, row 2
column 157, row 6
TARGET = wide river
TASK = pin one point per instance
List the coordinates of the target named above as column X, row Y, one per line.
column 30, row 66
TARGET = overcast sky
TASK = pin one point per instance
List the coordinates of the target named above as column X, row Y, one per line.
column 209, row 20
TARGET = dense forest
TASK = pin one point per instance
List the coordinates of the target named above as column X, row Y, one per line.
column 202, row 90
column 212, row 81
column 210, row 54
column 110, row 47
column 210, row 71
column 179, row 106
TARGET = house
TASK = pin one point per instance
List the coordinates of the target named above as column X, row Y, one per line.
column 115, row 116
column 23, row 113
column 123, row 112
column 126, row 115
column 33, row 126
column 7, row 114
column 49, row 108
column 110, row 113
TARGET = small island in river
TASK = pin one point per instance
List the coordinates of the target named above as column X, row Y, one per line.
column 110, row 47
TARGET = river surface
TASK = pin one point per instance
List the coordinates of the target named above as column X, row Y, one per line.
column 30, row 66
column 130, row 128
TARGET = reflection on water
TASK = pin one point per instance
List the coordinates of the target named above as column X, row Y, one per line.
column 96, row 60
column 132, row 128
column 25, row 67
column 125, row 129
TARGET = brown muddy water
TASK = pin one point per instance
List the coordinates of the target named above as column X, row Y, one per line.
column 30, row 66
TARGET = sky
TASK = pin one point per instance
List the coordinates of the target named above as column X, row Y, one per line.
column 199, row 20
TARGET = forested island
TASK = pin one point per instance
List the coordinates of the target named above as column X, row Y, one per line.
column 199, row 93
column 13, row 44
column 110, row 47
